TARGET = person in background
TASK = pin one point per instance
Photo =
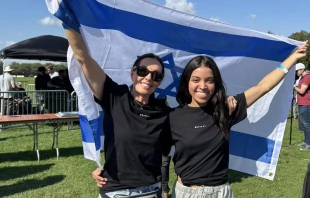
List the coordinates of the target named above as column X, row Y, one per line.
column 42, row 79
column 66, row 81
column 22, row 100
column 303, row 101
column 294, row 103
column 19, row 88
column 7, row 84
column 61, row 82
column 56, row 82
column 41, row 84
column 51, row 72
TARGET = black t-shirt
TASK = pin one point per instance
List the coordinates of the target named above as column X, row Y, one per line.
column 41, row 81
column 20, row 95
column 201, row 149
column 135, row 139
column 57, row 81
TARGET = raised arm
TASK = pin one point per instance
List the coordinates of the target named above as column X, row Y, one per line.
column 274, row 77
column 94, row 75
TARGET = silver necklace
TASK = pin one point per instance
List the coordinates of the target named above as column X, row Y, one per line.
column 140, row 104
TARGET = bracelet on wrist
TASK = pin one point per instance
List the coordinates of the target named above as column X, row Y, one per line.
column 283, row 69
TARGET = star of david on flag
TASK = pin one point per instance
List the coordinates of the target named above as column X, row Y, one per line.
column 175, row 72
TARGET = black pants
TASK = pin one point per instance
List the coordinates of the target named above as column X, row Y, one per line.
column 306, row 189
column 7, row 106
column 165, row 168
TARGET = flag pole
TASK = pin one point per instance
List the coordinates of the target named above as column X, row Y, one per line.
column 291, row 124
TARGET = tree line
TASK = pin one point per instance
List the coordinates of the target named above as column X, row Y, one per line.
column 30, row 69
column 303, row 36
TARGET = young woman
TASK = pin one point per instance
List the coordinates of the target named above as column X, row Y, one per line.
column 200, row 125
column 303, row 102
column 134, row 123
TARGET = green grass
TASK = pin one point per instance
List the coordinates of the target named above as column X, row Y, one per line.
column 22, row 176
column 25, row 80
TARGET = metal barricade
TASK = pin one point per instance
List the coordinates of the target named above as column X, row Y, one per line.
column 35, row 102
column 30, row 87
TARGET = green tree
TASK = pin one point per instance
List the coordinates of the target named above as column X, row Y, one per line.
column 270, row 32
column 30, row 68
column 303, row 36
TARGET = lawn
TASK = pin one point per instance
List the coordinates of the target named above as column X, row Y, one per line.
column 22, row 176
column 25, row 80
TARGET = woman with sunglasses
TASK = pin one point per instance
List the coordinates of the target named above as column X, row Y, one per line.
column 134, row 125
column 200, row 126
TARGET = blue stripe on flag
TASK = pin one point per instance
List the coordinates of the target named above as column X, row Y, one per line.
column 177, row 36
column 66, row 15
column 251, row 147
column 92, row 130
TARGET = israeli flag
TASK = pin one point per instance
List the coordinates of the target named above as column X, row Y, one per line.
column 90, row 113
column 117, row 32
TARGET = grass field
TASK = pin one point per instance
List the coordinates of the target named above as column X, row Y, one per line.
column 22, row 176
column 25, row 80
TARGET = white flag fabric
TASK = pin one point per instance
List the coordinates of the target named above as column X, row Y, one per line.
column 117, row 32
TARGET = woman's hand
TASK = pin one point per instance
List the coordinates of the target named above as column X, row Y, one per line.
column 231, row 103
column 274, row 77
column 96, row 176
column 301, row 51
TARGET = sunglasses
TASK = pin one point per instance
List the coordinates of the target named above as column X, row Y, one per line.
column 142, row 71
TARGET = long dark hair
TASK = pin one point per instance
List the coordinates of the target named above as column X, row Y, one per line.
column 217, row 102
column 159, row 104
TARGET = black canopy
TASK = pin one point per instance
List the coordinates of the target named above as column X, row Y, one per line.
column 47, row 47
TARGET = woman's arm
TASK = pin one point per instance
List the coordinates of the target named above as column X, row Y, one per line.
column 302, row 90
column 51, row 85
column 274, row 77
column 94, row 75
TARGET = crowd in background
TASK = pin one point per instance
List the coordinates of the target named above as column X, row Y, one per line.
column 48, row 79
column 19, row 102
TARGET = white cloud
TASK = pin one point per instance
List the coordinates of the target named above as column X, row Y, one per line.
column 181, row 5
column 253, row 16
column 8, row 43
column 48, row 21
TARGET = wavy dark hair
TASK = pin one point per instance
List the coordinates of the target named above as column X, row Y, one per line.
column 159, row 104
column 217, row 102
